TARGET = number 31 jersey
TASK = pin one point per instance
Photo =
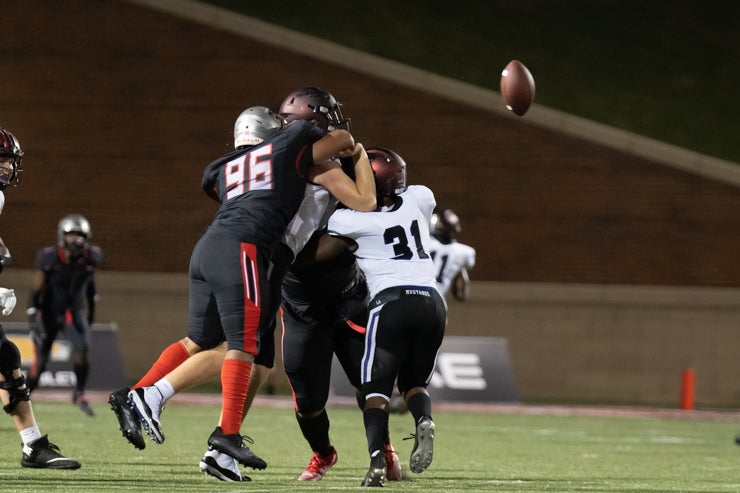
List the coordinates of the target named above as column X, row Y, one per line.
column 392, row 243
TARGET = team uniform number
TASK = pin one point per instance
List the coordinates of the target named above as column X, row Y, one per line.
column 442, row 264
column 396, row 236
column 252, row 171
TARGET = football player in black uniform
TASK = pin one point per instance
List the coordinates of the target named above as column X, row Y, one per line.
column 38, row 452
column 234, row 268
column 64, row 279
column 324, row 312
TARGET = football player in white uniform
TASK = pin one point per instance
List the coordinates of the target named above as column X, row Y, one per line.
column 451, row 259
column 407, row 313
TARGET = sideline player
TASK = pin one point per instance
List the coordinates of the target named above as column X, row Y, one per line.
column 38, row 452
column 407, row 314
column 253, row 216
column 452, row 259
column 63, row 280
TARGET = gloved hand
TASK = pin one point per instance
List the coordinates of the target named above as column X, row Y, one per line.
column 7, row 300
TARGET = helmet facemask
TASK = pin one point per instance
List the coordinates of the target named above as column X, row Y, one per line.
column 11, row 157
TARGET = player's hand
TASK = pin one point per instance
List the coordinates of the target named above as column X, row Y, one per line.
column 354, row 151
column 7, row 300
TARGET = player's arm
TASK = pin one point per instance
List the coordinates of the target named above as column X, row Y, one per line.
column 34, row 300
column 4, row 255
column 358, row 194
column 323, row 247
column 461, row 285
column 336, row 143
column 91, row 294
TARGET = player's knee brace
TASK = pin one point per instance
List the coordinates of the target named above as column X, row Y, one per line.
column 18, row 391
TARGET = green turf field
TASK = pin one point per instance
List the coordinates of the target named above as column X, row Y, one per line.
column 473, row 452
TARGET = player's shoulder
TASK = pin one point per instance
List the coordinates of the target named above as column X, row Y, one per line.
column 50, row 250
column 423, row 196
column 420, row 190
column 342, row 215
column 462, row 247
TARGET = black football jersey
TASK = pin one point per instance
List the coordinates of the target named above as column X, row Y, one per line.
column 66, row 278
column 261, row 187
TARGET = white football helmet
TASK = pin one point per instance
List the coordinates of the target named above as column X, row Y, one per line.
column 254, row 125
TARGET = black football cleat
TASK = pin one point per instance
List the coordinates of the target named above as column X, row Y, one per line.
column 375, row 476
column 233, row 445
column 40, row 454
column 128, row 421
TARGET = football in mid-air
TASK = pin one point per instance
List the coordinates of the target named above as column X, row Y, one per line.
column 517, row 87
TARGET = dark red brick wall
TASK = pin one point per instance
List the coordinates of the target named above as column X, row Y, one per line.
column 119, row 108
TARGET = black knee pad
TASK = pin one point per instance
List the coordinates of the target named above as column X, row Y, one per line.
column 18, row 391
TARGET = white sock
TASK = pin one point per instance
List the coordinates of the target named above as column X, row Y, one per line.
column 30, row 434
column 165, row 388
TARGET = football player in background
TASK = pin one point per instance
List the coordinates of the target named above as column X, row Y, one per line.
column 407, row 314
column 38, row 452
column 452, row 260
column 63, row 283
column 250, row 211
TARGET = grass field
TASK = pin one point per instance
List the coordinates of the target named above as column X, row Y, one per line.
column 474, row 451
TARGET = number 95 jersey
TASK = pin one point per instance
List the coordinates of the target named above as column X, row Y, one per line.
column 393, row 242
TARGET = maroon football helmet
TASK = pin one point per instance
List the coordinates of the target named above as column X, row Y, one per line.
column 445, row 226
column 10, row 147
column 390, row 172
column 316, row 106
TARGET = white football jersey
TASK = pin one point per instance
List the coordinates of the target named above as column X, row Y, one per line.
column 449, row 259
column 312, row 214
column 393, row 243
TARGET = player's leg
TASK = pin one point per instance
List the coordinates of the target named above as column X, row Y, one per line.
column 14, row 395
column 349, row 346
column 384, row 344
column 78, row 333
column 416, row 373
column 43, row 339
column 240, row 285
column 307, row 356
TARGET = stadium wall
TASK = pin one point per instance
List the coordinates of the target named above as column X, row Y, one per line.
column 120, row 110
column 567, row 343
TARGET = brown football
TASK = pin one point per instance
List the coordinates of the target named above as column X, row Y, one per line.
column 517, row 87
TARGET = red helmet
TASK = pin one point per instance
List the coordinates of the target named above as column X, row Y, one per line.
column 390, row 171
column 316, row 106
column 9, row 146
